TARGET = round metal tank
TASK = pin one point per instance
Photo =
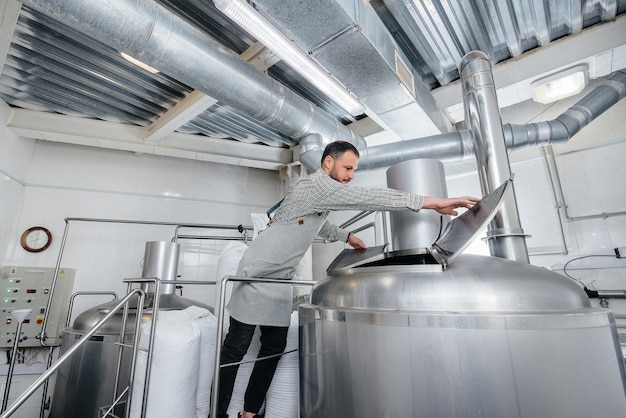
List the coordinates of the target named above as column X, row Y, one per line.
column 485, row 337
column 86, row 382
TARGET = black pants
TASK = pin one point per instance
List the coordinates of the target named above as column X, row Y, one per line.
column 236, row 343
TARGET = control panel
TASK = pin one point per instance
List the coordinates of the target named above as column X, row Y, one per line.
column 30, row 288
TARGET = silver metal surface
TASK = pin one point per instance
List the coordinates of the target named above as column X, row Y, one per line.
column 154, row 35
column 421, row 177
column 161, row 260
column 12, row 361
column 451, row 146
column 482, row 116
column 461, row 366
column 471, row 283
column 460, row 232
column 450, row 242
column 486, row 338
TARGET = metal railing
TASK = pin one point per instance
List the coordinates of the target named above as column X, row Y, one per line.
column 220, row 326
column 48, row 373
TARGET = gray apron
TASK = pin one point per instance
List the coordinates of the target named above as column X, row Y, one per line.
column 274, row 254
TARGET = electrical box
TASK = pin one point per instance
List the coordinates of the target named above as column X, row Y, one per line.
column 30, row 288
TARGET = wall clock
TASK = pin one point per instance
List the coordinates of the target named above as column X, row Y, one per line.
column 36, row 239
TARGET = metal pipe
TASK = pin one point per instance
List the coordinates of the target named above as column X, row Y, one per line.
column 46, row 375
column 364, row 227
column 43, row 405
column 212, row 237
column 448, row 146
column 55, row 276
column 356, row 218
column 16, row 341
column 158, row 37
column 555, row 182
column 505, row 236
column 85, row 293
column 42, row 335
column 553, row 171
column 568, row 124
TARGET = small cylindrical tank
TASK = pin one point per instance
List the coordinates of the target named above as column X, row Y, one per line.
column 424, row 177
column 161, row 260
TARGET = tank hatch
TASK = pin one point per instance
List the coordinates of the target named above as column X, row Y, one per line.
column 462, row 230
column 456, row 236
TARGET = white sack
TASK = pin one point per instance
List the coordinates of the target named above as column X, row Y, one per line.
column 174, row 373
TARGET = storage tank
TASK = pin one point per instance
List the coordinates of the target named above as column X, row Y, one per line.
column 430, row 332
column 85, row 384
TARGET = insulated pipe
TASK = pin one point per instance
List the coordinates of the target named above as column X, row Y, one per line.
column 458, row 145
column 505, row 236
column 448, row 146
column 154, row 35
column 565, row 126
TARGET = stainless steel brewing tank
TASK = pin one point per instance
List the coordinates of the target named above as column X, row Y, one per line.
column 431, row 332
column 86, row 382
column 486, row 337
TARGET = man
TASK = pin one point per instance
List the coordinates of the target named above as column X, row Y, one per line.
column 276, row 252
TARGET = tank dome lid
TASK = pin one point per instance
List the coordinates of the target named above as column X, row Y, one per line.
column 456, row 236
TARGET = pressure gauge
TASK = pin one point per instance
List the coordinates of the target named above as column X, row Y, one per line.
column 36, row 239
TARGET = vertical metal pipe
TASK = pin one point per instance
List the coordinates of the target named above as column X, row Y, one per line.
column 7, row 385
column 505, row 236
column 215, row 396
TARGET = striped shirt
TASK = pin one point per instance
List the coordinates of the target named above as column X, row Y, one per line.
column 320, row 193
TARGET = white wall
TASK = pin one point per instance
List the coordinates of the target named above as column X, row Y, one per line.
column 15, row 155
column 65, row 181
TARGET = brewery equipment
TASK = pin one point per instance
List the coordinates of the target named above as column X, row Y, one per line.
column 431, row 332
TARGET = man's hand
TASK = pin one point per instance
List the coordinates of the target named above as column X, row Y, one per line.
column 447, row 206
column 356, row 242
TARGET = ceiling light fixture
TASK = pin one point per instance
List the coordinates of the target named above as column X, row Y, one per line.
column 139, row 63
column 560, row 85
column 248, row 18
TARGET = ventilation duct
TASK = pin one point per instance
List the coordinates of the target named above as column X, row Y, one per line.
column 152, row 34
column 458, row 145
column 156, row 36
column 354, row 45
column 561, row 129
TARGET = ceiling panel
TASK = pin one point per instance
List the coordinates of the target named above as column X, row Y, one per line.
column 49, row 67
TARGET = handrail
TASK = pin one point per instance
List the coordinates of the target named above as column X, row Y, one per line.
column 85, row 293
column 178, row 225
column 220, row 325
column 155, row 308
column 45, row 376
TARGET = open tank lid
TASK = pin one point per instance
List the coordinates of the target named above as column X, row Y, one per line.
column 456, row 236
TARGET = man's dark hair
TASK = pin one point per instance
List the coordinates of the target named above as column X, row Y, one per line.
column 337, row 149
